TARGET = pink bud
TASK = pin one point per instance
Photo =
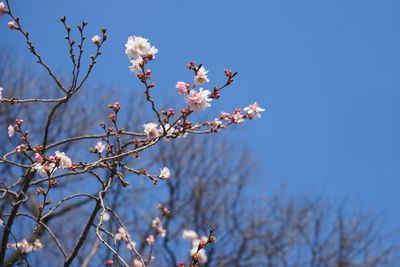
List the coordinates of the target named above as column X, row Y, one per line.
column 182, row 88
column 38, row 157
column 148, row 73
column 13, row 25
column 19, row 122
column 116, row 107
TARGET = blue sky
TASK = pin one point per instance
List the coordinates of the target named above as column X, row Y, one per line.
column 327, row 71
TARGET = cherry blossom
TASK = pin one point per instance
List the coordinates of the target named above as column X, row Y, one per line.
column 201, row 76
column 182, row 88
column 164, row 173
column 100, row 146
column 45, row 169
column 170, row 130
column 137, row 263
column 25, row 247
column 122, row 234
column 64, row 161
column 156, row 223
column 11, row 131
column 137, row 46
column 96, row 40
column 136, row 65
column 189, row 235
column 198, row 101
column 38, row 157
column 237, row 116
column 12, row 25
column 192, row 235
column 254, row 110
column 150, row 240
column 3, row 9
column 106, row 216
column 151, row 130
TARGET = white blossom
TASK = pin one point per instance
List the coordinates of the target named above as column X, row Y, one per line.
column 122, row 234
column 156, row 224
column 96, row 40
column 100, row 146
column 201, row 76
column 201, row 255
column 151, row 130
column 164, row 173
column 189, row 234
column 192, row 235
column 130, row 245
column 25, row 247
column 65, row 162
column 106, row 217
column 43, row 168
column 254, row 109
column 1, row 93
column 137, row 263
column 170, row 130
column 11, row 131
column 137, row 46
column 37, row 245
column 136, row 65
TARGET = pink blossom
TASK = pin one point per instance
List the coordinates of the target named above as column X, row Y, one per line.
column 237, row 116
column 198, row 101
column 38, row 157
column 182, row 88
column 3, row 9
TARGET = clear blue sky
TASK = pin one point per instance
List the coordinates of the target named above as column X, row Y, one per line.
column 327, row 71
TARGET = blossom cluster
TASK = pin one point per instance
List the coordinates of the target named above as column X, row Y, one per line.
column 12, row 24
column 196, row 240
column 47, row 165
column 157, row 225
column 25, row 247
column 123, row 235
column 139, row 51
